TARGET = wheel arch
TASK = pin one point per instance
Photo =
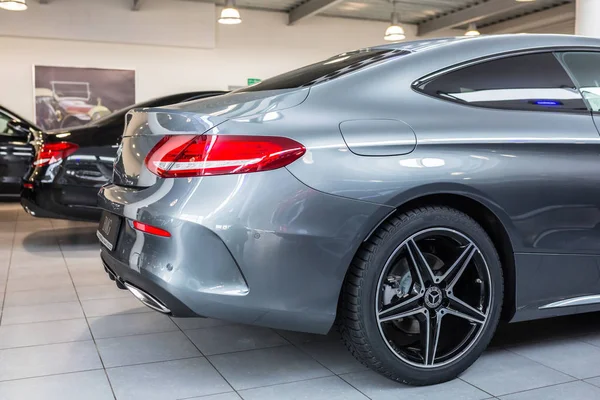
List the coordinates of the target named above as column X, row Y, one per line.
column 490, row 221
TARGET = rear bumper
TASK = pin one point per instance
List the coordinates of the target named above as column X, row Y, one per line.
column 41, row 202
column 120, row 272
column 260, row 248
column 31, row 207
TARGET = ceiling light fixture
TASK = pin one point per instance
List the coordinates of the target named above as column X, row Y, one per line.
column 472, row 30
column 395, row 31
column 13, row 5
column 230, row 15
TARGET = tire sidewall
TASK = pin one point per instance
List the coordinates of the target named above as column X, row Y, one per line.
column 416, row 222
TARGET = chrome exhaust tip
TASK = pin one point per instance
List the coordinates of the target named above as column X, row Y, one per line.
column 147, row 299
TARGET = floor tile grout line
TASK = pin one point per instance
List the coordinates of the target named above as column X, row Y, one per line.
column 207, row 359
column 303, row 380
column 35, row 305
column 8, row 273
column 137, row 364
column 357, row 389
column 538, row 388
column 209, row 395
column 67, row 319
column 476, row 387
column 154, row 362
column 49, row 375
column 542, row 364
column 589, row 383
column 297, row 346
column 243, row 351
column 202, row 327
column 50, row 320
column 87, row 322
column 580, row 339
column 139, row 334
column 45, row 344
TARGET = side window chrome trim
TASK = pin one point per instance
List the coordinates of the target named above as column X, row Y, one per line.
column 498, row 56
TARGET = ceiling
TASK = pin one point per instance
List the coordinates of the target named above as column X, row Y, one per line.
column 411, row 11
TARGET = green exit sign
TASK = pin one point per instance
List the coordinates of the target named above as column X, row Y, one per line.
column 253, row 81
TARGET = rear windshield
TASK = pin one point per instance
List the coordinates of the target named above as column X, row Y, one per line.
column 325, row 70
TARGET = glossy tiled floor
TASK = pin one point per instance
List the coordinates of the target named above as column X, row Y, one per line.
column 67, row 332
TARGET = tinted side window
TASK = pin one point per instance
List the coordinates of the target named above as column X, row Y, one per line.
column 585, row 69
column 533, row 82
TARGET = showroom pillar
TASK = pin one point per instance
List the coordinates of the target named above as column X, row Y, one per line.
column 587, row 14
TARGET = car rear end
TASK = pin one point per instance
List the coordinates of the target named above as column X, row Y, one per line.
column 67, row 171
column 203, row 217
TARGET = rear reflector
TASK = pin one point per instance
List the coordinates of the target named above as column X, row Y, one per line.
column 179, row 156
column 28, row 185
column 51, row 153
column 140, row 226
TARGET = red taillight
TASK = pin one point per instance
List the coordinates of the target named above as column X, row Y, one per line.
column 180, row 156
column 140, row 226
column 28, row 185
column 51, row 153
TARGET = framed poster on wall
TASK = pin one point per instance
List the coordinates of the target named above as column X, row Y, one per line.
column 66, row 97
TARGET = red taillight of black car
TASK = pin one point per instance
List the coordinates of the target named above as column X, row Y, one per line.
column 51, row 153
column 179, row 156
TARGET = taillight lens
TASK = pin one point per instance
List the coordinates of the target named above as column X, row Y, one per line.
column 179, row 156
column 51, row 153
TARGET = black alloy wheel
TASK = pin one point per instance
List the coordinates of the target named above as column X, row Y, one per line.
column 423, row 296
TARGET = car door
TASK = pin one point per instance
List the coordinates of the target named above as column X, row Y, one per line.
column 15, row 154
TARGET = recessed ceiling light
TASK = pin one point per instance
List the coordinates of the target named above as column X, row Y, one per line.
column 13, row 5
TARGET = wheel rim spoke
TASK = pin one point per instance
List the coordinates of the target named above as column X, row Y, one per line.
column 462, row 310
column 403, row 309
column 456, row 270
column 419, row 262
column 430, row 334
column 412, row 301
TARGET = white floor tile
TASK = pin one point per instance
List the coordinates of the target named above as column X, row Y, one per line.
column 27, row 362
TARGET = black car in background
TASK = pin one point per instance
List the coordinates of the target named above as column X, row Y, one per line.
column 16, row 151
column 71, row 165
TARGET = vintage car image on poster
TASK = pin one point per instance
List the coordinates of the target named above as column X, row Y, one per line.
column 70, row 96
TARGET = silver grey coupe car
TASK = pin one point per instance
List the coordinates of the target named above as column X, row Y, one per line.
column 411, row 195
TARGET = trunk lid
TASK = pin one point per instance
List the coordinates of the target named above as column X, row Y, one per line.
column 147, row 126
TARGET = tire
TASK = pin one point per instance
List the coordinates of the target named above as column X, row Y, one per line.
column 358, row 320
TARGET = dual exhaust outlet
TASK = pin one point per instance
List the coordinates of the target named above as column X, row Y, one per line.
column 146, row 298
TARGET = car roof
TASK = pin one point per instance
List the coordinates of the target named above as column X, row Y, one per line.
column 429, row 56
column 488, row 43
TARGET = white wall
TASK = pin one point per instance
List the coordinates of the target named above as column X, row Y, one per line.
column 160, row 22
column 262, row 46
